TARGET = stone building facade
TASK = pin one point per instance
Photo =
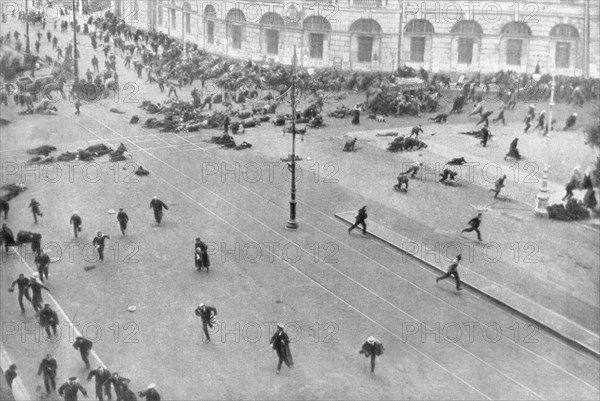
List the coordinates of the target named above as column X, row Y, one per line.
column 451, row 36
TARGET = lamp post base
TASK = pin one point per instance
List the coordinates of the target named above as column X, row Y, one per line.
column 292, row 225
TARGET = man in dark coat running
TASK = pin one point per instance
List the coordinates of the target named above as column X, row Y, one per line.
column 48, row 318
column 76, row 222
column 70, row 389
column 84, row 346
column 474, row 226
column 7, row 237
column 98, row 242
column 42, row 260
column 280, row 342
column 157, row 205
column 452, row 271
column 48, row 368
column 117, row 382
column 23, row 287
column 102, row 376
column 36, row 292
column 372, row 348
column 360, row 219
column 35, row 209
column 207, row 314
column 498, row 186
column 123, row 219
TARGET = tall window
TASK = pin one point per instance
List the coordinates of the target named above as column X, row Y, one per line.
column 210, row 32
column 318, row 29
column 513, row 51
column 236, row 36
column 365, row 49
column 417, row 49
column 272, row 41
column 563, row 52
column 316, row 45
column 173, row 19
column 368, row 34
column 465, row 50
column 234, row 28
column 188, row 22
column 160, row 15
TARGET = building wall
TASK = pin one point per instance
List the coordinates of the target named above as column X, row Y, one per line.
column 340, row 47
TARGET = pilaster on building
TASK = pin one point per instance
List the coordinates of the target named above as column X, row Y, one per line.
column 380, row 35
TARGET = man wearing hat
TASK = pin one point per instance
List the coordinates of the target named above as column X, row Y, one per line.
column 35, row 209
column 48, row 318
column 373, row 348
column 98, row 242
column 157, row 205
column 452, row 271
column 84, row 346
column 76, row 222
column 123, row 219
column 48, row 368
column 102, row 376
column 280, row 343
column 360, row 219
column 36, row 292
column 207, row 314
column 42, row 261
column 23, row 286
column 151, row 394
column 70, row 389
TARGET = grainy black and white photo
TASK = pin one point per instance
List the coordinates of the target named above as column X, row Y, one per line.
column 299, row 200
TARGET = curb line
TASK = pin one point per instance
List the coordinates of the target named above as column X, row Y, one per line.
column 571, row 342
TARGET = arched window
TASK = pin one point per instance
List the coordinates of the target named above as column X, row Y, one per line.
column 235, row 17
column 566, row 37
column 271, row 23
column 466, row 27
column 364, row 25
column 366, row 30
column 516, row 29
column 187, row 10
column 517, row 32
column 318, row 27
column 210, row 15
column 467, row 31
column 564, row 31
column 418, row 30
column 417, row 26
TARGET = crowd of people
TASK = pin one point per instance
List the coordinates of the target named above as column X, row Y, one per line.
column 157, row 58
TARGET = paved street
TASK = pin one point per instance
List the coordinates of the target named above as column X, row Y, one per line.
column 331, row 289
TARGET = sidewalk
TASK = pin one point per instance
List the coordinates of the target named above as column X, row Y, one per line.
column 560, row 326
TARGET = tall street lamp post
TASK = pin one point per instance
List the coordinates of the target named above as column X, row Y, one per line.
column 75, row 67
column 27, row 26
column 292, row 224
